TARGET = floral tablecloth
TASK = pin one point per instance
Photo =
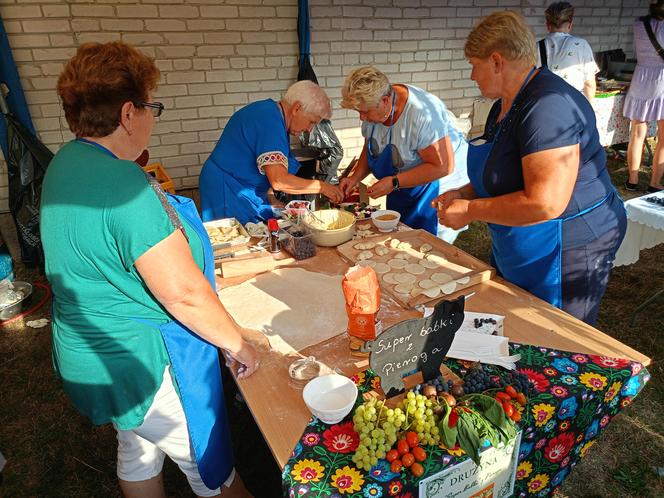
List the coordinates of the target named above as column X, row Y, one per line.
column 612, row 126
column 576, row 397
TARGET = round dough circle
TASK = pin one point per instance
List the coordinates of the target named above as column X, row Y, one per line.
column 425, row 248
column 364, row 255
column 381, row 250
column 397, row 263
column 367, row 262
column 381, row 268
column 405, row 278
column 427, row 284
column 415, row 269
column 402, row 255
column 448, row 288
column 441, row 278
column 364, row 226
column 403, row 288
column 432, row 292
column 463, row 280
column 389, row 278
column 426, row 263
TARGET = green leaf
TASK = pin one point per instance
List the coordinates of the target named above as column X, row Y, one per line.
column 493, row 411
column 468, row 438
column 448, row 434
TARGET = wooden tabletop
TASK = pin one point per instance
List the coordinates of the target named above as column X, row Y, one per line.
column 276, row 402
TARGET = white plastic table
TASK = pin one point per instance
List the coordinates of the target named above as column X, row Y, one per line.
column 645, row 228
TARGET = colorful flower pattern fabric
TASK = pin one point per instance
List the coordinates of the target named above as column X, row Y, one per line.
column 576, row 397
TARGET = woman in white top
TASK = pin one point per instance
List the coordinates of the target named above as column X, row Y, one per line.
column 568, row 56
column 411, row 147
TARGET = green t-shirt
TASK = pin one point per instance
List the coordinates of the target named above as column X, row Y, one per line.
column 98, row 215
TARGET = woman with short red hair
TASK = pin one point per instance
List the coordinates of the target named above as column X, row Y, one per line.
column 136, row 320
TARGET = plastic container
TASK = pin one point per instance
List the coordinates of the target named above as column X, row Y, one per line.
column 389, row 222
column 330, row 397
column 15, row 300
column 298, row 242
column 297, row 207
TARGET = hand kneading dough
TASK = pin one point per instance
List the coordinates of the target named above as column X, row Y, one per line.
column 364, row 255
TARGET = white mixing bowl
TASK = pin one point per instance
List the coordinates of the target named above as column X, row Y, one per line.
column 330, row 397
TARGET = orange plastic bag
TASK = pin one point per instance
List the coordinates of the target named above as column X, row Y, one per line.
column 362, row 295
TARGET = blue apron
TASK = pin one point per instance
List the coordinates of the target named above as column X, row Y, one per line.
column 528, row 256
column 196, row 370
column 414, row 203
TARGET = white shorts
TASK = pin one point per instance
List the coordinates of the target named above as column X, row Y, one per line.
column 164, row 431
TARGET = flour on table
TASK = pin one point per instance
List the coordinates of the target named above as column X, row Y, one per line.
column 282, row 305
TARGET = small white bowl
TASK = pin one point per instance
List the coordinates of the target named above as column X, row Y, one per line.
column 330, row 397
column 386, row 225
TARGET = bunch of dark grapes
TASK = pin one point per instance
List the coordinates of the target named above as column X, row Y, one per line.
column 441, row 385
column 478, row 380
column 520, row 382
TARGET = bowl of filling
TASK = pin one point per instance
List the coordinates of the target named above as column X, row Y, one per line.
column 386, row 220
column 330, row 227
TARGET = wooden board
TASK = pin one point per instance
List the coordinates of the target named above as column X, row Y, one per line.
column 464, row 269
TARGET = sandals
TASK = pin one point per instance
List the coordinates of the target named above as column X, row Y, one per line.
column 653, row 190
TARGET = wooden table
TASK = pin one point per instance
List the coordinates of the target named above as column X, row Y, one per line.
column 276, row 402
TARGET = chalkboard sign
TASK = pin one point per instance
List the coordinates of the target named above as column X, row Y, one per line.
column 419, row 344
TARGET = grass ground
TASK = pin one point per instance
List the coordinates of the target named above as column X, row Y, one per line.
column 54, row 452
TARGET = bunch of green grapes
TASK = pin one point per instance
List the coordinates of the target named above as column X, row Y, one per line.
column 420, row 416
column 377, row 426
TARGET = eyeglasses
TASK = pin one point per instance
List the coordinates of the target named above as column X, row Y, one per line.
column 155, row 107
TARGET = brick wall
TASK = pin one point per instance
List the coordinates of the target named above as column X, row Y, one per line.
column 217, row 55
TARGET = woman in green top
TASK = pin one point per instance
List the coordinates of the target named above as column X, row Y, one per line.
column 136, row 320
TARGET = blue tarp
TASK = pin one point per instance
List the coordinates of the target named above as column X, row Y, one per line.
column 16, row 99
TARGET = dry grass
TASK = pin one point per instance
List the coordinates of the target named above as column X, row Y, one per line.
column 54, row 452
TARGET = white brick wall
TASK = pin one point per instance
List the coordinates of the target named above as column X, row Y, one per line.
column 217, row 58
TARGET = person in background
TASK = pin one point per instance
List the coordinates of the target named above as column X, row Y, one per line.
column 568, row 56
column 253, row 155
column 137, row 324
column 411, row 147
column 645, row 98
column 540, row 179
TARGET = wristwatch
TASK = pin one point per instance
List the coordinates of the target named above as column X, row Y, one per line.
column 395, row 183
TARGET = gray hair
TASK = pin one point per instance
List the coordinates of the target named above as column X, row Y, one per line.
column 313, row 98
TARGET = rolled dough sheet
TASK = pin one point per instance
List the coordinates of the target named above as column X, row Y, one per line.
column 294, row 308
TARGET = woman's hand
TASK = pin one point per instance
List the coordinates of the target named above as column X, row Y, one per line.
column 247, row 359
column 380, row 188
column 444, row 200
column 456, row 215
column 332, row 192
column 347, row 185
